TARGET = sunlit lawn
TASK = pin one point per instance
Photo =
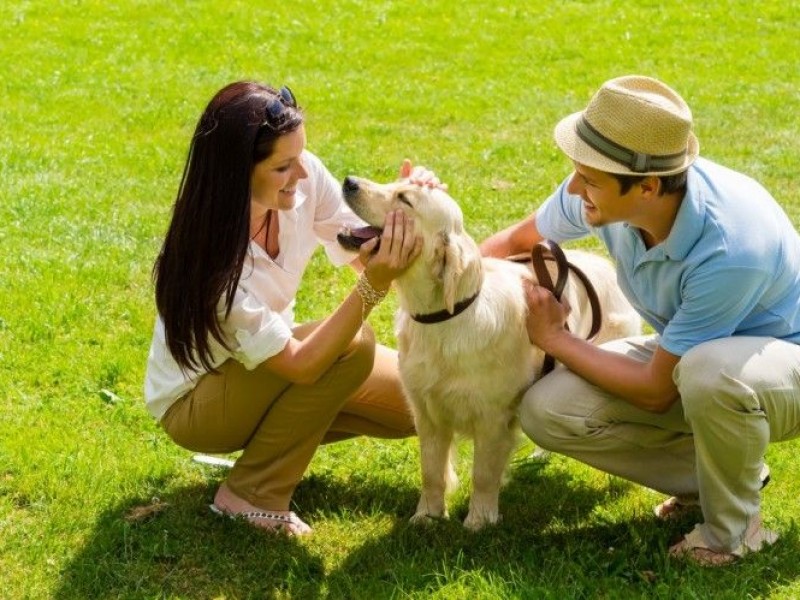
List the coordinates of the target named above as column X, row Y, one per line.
column 97, row 106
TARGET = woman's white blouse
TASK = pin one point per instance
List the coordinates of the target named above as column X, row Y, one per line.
column 262, row 315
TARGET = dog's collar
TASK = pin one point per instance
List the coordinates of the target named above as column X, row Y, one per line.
column 444, row 315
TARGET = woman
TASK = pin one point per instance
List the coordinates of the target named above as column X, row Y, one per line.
column 228, row 370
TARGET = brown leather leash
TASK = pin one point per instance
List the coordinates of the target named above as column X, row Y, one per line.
column 548, row 250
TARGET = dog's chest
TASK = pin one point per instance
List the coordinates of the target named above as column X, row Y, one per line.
column 474, row 366
column 458, row 382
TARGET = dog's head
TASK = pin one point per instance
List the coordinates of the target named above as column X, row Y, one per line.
column 437, row 219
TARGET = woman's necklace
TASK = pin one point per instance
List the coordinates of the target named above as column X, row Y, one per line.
column 269, row 238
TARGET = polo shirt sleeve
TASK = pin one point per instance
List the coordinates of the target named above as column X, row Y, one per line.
column 256, row 331
column 715, row 300
column 331, row 213
column 560, row 217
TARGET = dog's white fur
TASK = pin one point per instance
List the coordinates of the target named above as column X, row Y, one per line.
column 466, row 375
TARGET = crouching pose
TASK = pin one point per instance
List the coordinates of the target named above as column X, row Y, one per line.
column 712, row 263
column 228, row 367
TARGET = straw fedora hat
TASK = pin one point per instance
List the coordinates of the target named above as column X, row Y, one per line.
column 633, row 125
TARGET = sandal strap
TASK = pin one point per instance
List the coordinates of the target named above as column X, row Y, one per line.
column 291, row 518
column 694, row 547
column 695, row 539
column 755, row 538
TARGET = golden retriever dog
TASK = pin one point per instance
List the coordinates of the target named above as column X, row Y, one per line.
column 465, row 357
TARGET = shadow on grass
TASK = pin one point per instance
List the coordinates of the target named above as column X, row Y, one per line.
column 551, row 544
column 185, row 551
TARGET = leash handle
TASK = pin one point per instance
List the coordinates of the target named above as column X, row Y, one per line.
column 541, row 252
column 548, row 250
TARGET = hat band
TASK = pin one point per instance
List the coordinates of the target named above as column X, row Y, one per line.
column 637, row 162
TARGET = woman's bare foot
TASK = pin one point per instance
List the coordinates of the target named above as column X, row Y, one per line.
column 283, row 521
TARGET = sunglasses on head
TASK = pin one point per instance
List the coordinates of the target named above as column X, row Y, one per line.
column 277, row 105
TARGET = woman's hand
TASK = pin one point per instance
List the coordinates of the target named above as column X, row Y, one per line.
column 399, row 246
column 547, row 316
column 420, row 175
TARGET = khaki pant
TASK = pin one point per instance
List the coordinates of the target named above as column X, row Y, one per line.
column 737, row 395
column 279, row 425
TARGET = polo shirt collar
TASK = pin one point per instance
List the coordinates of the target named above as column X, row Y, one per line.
column 688, row 226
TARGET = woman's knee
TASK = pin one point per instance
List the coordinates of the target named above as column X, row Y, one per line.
column 355, row 364
column 359, row 356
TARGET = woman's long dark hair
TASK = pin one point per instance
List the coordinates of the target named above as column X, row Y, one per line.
column 205, row 247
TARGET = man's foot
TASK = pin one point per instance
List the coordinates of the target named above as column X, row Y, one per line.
column 677, row 506
column 282, row 521
column 687, row 549
column 694, row 548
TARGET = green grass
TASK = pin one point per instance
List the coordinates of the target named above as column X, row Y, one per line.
column 97, row 103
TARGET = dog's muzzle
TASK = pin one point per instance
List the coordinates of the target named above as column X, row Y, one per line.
column 353, row 239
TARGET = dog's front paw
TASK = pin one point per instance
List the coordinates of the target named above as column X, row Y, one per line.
column 425, row 518
column 477, row 520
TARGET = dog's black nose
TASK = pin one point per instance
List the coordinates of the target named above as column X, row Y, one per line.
column 350, row 185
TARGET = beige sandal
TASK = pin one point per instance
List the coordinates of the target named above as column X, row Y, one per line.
column 694, row 548
column 289, row 523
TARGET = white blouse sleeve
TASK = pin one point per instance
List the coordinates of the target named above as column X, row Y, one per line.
column 256, row 332
column 331, row 212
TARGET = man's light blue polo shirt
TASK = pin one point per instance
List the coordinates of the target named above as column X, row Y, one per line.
column 730, row 265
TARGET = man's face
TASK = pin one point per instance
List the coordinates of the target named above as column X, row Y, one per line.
column 600, row 191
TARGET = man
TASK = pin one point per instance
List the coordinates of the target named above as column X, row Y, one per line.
column 712, row 263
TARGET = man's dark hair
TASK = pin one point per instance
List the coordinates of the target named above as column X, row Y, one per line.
column 669, row 183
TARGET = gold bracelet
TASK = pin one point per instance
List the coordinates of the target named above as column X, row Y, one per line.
column 370, row 297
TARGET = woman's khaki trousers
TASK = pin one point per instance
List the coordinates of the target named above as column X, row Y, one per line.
column 279, row 425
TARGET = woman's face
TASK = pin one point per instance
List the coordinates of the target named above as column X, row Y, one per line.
column 273, row 182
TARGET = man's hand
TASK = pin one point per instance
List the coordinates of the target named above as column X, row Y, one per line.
column 547, row 317
column 420, row 175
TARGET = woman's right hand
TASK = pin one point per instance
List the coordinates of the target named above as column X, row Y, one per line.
column 399, row 246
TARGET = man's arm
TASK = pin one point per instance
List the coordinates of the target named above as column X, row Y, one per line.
column 518, row 238
column 648, row 386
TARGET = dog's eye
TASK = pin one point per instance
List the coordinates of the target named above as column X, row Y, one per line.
column 401, row 197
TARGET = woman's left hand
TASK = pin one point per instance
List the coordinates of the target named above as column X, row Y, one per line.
column 399, row 246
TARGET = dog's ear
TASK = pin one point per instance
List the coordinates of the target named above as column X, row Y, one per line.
column 448, row 266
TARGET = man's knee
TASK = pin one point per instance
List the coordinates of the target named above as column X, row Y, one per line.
column 531, row 413
column 539, row 413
